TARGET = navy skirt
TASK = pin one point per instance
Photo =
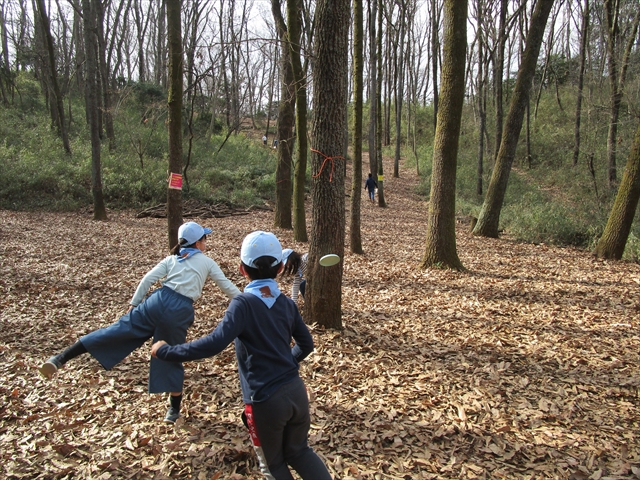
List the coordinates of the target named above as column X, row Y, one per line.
column 164, row 315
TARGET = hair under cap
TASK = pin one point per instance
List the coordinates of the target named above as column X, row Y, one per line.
column 260, row 244
column 285, row 254
column 191, row 232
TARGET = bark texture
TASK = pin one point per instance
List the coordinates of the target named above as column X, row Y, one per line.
column 324, row 285
column 440, row 247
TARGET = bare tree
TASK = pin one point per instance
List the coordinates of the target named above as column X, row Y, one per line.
column 324, row 285
column 174, row 100
column 399, row 91
column 614, row 238
column 440, row 246
column 584, row 36
column 498, row 72
column 294, row 16
column 435, row 54
column 481, row 80
column 355, row 235
column 286, row 119
column 489, row 217
column 379, row 175
column 57, row 106
column 142, row 20
column 617, row 75
column 373, row 88
column 90, row 14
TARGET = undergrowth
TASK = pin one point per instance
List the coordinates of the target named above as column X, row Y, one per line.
column 548, row 200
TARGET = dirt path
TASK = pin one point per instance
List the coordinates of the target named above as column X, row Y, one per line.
column 526, row 366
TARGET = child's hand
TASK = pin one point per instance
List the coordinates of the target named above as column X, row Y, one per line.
column 156, row 346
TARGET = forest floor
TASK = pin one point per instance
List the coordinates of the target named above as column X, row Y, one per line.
column 524, row 366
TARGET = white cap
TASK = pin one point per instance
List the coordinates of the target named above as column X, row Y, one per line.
column 191, row 232
column 260, row 244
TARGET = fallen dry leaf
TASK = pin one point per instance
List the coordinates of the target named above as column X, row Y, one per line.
column 526, row 366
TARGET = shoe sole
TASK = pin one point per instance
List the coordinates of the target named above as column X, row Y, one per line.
column 169, row 420
column 48, row 370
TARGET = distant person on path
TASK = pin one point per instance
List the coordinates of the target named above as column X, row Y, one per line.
column 275, row 143
column 166, row 314
column 371, row 186
column 295, row 264
column 262, row 322
column 264, row 139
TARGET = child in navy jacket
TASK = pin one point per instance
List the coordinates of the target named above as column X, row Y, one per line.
column 262, row 322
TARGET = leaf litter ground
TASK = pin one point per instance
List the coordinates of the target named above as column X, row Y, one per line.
column 525, row 366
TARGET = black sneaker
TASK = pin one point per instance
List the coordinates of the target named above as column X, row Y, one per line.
column 172, row 415
column 50, row 367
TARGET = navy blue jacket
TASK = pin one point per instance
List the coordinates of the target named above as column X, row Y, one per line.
column 370, row 184
column 262, row 338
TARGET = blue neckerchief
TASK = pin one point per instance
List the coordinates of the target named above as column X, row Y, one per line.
column 266, row 290
column 187, row 253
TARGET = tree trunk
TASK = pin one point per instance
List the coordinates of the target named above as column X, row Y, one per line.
column 105, row 77
column 161, row 49
column 299, row 221
column 441, row 224
column 614, row 238
column 399, row 89
column 583, row 57
column 616, row 80
column 482, row 114
column 324, row 284
column 57, row 103
column 498, row 73
column 91, row 96
column 355, row 236
column 435, row 48
column 286, row 120
column 373, row 88
column 223, row 66
column 174, row 98
column 489, row 217
column 379, row 175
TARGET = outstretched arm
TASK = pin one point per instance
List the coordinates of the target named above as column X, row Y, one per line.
column 227, row 330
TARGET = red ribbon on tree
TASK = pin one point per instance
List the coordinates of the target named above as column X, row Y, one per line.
column 327, row 158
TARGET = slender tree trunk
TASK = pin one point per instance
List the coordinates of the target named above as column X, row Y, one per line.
column 380, row 174
column 583, row 57
column 91, row 95
column 481, row 99
column 5, row 66
column 614, row 238
column 612, row 8
column 161, row 49
column 355, row 235
column 489, row 217
column 440, row 247
column 373, row 88
column 300, row 82
column 435, row 49
column 174, row 100
column 223, row 65
column 57, row 101
column 498, row 72
column 616, row 79
column 105, row 77
column 324, row 284
column 286, row 121
column 399, row 90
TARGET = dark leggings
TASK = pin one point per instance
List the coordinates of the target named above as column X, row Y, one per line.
column 282, row 425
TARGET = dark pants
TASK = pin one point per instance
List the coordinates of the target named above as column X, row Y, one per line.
column 164, row 315
column 279, row 428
